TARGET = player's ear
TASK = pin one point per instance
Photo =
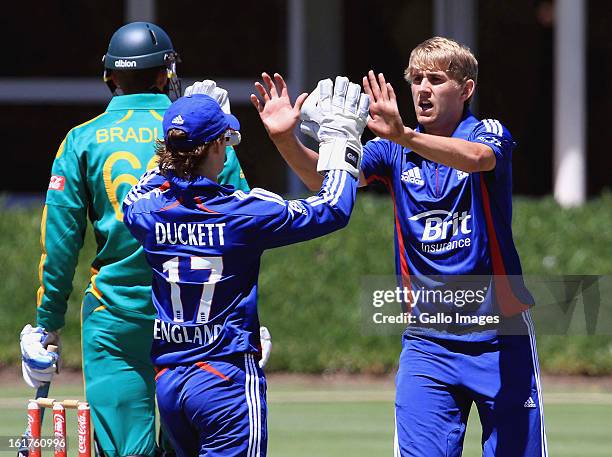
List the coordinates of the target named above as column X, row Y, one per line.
column 115, row 79
column 162, row 79
column 220, row 145
column 468, row 89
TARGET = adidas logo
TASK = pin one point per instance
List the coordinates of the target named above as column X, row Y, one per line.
column 178, row 120
column 413, row 176
column 461, row 175
column 530, row 403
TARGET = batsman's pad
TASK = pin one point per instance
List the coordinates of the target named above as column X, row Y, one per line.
column 336, row 115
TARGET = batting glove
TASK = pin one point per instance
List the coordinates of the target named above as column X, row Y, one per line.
column 209, row 87
column 266, row 345
column 337, row 119
column 37, row 365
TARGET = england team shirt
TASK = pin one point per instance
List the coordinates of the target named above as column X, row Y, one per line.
column 204, row 243
column 448, row 223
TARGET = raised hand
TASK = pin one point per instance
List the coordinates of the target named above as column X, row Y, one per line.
column 385, row 120
column 275, row 110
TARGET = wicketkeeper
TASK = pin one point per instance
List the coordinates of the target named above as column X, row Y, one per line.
column 204, row 242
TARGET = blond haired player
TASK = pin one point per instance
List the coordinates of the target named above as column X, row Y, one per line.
column 450, row 178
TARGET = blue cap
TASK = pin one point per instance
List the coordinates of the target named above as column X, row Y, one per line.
column 200, row 117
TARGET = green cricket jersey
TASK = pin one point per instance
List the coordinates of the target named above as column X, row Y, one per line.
column 94, row 168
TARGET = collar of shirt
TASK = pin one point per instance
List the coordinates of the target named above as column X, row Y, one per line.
column 197, row 186
column 463, row 129
column 139, row 101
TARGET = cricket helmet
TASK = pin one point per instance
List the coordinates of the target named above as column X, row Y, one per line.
column 138, row 46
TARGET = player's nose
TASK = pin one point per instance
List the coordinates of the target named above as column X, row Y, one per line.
column 424, row 88
column 425, row 85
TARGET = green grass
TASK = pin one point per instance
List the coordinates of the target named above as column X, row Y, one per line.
column 357, row 420
column 309, row 293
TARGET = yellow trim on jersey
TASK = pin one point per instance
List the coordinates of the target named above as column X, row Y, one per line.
column 156, row 115
column 60, row 150
column 43, row 256
column 94, row 289
column 99, row 308
column 126, row 117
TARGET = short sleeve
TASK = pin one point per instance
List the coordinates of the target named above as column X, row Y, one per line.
column 492, row 133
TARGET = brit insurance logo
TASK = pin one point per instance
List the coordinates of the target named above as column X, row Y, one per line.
column 413, row 176
column 444, row 231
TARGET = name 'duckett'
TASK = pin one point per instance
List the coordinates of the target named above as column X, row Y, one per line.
column 190, row 234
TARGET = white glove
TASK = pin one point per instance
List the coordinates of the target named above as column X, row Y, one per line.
column 209, row 87
column 337, row 119
column 38, row 365
column 266, row 345
column 311, row 114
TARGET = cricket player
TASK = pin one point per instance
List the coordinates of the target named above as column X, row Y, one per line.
column 94, row 168
column 204, row 242
column 450, row 179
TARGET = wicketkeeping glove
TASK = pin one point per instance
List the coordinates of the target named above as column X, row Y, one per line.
column 209, row 87
column 38, row 365
column 336, row 116
column 310, row 114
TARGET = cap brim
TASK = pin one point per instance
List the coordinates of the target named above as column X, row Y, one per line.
column 233, row 121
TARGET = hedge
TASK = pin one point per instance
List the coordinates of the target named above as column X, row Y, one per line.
column 308, row 293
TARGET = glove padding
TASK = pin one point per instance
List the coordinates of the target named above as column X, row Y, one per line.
column 209, row 87
column 310, row 114
column 38, row 365
column 266, row 345
column 336, row 115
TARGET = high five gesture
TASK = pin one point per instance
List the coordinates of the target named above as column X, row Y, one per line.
column 385, row 120
column 275, row 110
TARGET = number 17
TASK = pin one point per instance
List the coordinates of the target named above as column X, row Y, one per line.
column 214, row 264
